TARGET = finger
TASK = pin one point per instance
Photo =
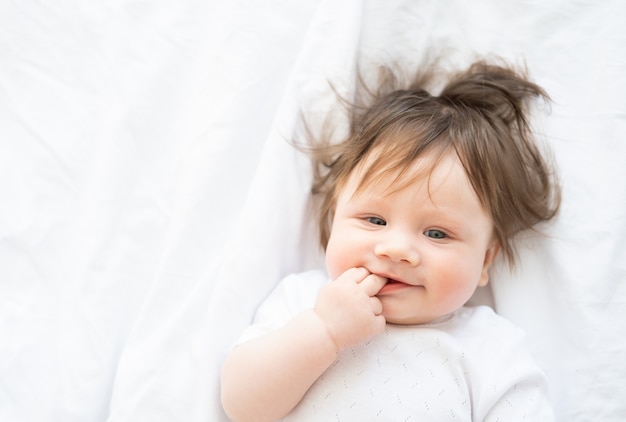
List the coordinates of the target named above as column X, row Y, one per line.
column 377, row 306
column 353, row 275
column 362, row 273
column 373, row 283
column 380, row 323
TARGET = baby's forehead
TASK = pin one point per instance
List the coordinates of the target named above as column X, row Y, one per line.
column 376, row 172
column 427, row 190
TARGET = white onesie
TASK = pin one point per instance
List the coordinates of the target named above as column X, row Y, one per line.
column 471, row 365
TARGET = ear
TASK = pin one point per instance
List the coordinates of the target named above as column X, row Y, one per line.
column 490, row 256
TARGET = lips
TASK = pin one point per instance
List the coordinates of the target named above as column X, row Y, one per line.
column 392, row 286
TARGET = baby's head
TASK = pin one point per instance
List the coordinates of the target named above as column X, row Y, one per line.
column 480, row 117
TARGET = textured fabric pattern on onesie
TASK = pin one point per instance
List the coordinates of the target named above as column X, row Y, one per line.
column 400, row 375
column 469, row 365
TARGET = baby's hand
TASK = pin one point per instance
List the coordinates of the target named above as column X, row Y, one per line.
column 349, row 308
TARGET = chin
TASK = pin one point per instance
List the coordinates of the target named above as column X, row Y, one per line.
column 405, row 319
column 402, row 317
column 399, row 312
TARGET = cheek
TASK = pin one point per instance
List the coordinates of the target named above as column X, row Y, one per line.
column 458, row 282
column 342, row 252
column 332, row 268
column 334, row 258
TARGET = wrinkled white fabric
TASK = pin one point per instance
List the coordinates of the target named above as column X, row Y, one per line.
column 151, row 201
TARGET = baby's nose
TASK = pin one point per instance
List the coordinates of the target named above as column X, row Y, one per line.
column 398, row 247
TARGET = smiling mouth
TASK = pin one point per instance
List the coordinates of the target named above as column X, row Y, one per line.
column 393, row 285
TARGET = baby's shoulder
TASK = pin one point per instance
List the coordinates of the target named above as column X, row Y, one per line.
column 298, row 291
column 306, row 279
column 306, row 282
column 485, row 319
column 481, row 329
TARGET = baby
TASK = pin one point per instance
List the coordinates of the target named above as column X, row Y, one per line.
column 416, row 204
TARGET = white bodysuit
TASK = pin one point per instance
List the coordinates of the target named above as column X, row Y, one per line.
column 471, row 365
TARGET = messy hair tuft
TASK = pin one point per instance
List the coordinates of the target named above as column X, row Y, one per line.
column 481, row 114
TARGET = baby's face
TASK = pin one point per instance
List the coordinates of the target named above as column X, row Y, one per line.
column 432, row 240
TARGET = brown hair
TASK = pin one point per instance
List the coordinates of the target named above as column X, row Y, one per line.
column 480, row 114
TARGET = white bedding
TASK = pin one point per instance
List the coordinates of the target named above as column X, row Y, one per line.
column 150, row 200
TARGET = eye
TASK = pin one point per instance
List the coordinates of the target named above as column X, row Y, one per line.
column 435, row 234
column 376, row 221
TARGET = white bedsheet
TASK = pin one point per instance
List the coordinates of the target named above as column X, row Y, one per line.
column 150, row 201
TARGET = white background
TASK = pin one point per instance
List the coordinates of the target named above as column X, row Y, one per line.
column 150, row 200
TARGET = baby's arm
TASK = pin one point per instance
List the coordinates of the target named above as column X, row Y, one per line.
column 265, row 378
